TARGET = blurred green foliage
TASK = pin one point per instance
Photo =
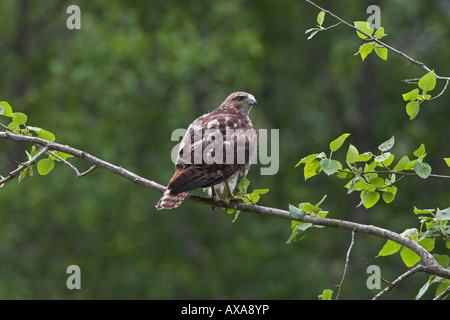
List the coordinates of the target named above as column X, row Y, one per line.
column 136, row 71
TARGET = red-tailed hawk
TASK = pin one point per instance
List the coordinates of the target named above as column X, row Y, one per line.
column 215, row 150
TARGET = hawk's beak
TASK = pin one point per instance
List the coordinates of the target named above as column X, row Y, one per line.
column 253, row 103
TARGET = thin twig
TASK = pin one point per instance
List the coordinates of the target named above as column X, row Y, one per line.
column 6, row 128
column 443, row 294
column 24, row 165
column 331, row 27
column 410, row 174
column 79, row 175
column 399, row 279
column 347, row 260
column 442, row 92
column 375, row 273
column 399, row 173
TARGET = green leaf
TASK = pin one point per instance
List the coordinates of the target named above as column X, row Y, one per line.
column 423, row 211
column 442, row 287
column 365, row 49
column 428, row 81
column 35, row 129
column 443, row 214
column 306, row 159
column 345, row 174
column 409, row 257
column 46, row 135
column 382, row 157
column 410, row 233
column 363, row 26
column 298, row 230
column 377, row 182
column 412, row 109
column 44, row 166
column 411, row 95
column 447, row 161
column 326, row 294
column 309, row 208
column 310, row 30
column 296, row 213
column 422, row 169
column 320, row 202
column 360, row 185
column 427, row 243
column 19, row 118
column 424, row 288
column 366, row 156
column 420, row 151
column 380, row 33
column 389, row 248
column 337, row 143
column 60, row 154
column 23, row 174
column 5, row 109
column 329, row 166
column 388, row 161
column 381, row 52
column 320, row 17
column 442, row 259
column 311, row 169
column 401, row 164
column 313, row 34
column 352, row 154
column 387, row 145
column 254, row 197
column 243, row 185
column 261, row 191
column 388, row 196
column 371, row 199
column 370, row 167
column 14, row 127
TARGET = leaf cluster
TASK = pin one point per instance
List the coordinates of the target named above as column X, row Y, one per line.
column 298, row 212
column 366, row 48
column 247, row 198
column 18, row 124
column 320, row 19
column 418, row 95
column 373, row 175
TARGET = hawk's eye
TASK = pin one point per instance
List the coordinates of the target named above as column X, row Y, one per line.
column 240, row 98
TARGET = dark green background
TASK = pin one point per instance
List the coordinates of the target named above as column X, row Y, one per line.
column 136, row 71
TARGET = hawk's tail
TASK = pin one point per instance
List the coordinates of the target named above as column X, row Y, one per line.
column 169, row 201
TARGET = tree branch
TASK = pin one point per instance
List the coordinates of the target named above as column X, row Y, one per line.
column 431, row 266
column 371, row 38
column 401, row 173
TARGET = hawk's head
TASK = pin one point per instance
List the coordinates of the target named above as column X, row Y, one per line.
column 242, row 101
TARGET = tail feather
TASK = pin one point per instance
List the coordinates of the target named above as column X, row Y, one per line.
column 169, row 200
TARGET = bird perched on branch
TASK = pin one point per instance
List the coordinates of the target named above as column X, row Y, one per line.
column 215, row 150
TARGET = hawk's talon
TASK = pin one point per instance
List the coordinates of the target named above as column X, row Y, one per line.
column 215, row 197
column 233, row 198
